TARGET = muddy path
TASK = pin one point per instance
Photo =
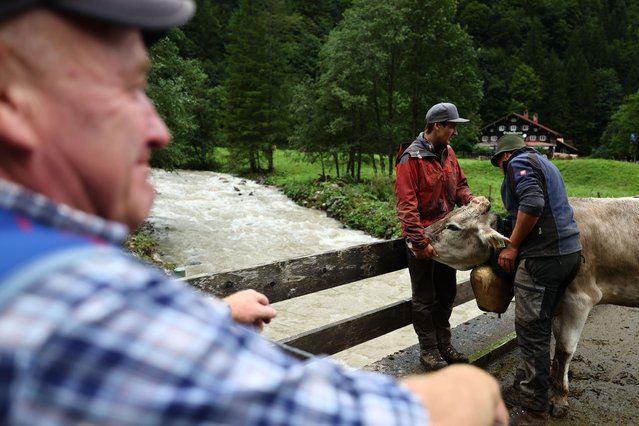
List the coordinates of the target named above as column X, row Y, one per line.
column 604, row 386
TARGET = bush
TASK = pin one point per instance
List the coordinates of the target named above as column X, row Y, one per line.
column 368, row 206
column 486, row 151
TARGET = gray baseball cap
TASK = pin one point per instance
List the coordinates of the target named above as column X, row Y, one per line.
column 153, row 17
column 444, row 111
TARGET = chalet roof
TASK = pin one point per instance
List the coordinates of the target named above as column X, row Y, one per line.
column 525, row 118
column 561, row 141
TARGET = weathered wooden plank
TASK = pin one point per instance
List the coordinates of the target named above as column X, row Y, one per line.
column 341, row 335
column 464, row 293
column 296, row 277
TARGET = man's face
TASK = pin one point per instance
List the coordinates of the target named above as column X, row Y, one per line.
column 98, row 126
column 502, row 159
column 444, row 132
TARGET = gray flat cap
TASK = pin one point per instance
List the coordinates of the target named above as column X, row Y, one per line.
column 153, row 17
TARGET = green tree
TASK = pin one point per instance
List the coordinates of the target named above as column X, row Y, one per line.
column 205, row 36
column 441, row 65
column 496, row 69
column 525, row 89
column 473, row 17
column 616, row 141
column 555, row 110
column 179, row 89
column 255, row 89
column 579, row 91
column 318, row 18
column 381, row 68
column 359, row 80
column 607, row 98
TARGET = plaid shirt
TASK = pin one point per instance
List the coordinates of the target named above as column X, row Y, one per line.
column 109, row 340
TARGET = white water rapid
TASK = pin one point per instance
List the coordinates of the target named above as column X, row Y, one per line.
column 212, row 222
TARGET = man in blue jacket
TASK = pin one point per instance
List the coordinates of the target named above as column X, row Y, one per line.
column 90, row 335
column 545, row 252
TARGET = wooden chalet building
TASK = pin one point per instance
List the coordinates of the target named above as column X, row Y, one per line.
column 535, row 134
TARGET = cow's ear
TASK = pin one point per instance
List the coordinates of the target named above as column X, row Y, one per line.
column 492, row 238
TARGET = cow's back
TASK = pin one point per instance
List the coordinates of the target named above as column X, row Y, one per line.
column 610, row 238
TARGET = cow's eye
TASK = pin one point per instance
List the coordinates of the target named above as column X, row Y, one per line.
column 453, row 227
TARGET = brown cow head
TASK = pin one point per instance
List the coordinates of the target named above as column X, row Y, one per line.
column 464, row 238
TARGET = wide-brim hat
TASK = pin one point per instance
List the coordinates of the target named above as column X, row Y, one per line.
column 507, row 143
column 444, row 112
column 153, row 17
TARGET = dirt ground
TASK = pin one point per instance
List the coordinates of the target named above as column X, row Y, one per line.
column 604, row 384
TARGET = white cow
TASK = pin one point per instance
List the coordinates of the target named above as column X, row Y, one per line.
column 609, row 274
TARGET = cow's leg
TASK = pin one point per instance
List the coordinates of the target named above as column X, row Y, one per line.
column 567, row 328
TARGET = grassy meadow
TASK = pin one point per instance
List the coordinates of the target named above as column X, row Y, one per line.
column 370, row 204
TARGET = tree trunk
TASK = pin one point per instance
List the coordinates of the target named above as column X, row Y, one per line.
column 323, row 166
column 253, row 162
column 391, row 165
column 374, row 164
column 269, row 157
column 350, row 168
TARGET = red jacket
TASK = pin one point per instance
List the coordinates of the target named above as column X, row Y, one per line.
column 427, row 188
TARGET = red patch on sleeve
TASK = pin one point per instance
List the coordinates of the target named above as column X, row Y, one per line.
column 522, row 172
column 24, row 224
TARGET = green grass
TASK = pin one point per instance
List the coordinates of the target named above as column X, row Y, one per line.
column 584, row 177
column 144, row 245
column 370, row 204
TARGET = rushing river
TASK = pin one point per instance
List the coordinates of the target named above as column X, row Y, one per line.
column 212, row 222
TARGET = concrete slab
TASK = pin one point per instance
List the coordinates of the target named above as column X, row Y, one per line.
column 482, row 338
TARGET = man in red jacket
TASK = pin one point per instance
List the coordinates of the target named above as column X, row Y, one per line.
column 429, row 184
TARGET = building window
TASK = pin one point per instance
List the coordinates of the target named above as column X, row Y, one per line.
column 532, row 138
column 513, row 119
column 484, row 138
column 542, row 138
column 524, row 127
column 493, row 138
column 502, row 128
column 513, row 128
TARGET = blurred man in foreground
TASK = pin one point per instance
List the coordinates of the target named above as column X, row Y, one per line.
column 89, row 335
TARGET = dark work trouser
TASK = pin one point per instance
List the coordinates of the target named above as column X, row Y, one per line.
column 434, row 286
column 540, row 282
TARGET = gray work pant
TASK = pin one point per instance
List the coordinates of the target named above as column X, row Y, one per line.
column 434, row 287
column 540, row 282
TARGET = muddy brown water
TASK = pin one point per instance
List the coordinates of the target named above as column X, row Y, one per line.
column 604, row 384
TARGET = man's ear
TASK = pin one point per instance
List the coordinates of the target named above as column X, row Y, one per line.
column 16, row 131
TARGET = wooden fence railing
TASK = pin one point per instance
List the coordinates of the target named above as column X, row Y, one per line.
column 304, row 275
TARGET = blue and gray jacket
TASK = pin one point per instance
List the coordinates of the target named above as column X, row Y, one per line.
column 534, row 185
